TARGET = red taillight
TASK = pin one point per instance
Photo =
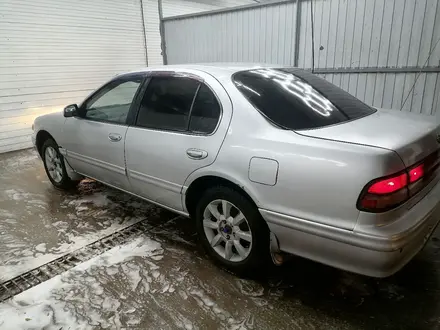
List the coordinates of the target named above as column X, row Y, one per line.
column 416, row 173
column 385, row 193
column 389, row 192
column 389, row 185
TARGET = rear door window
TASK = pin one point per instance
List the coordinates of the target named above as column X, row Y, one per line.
column 167, row 103
column 179, row 104
column 295, row 99
column 205, row 112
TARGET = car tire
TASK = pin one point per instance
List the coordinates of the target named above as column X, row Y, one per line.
column 255, row 254
column 54, row 165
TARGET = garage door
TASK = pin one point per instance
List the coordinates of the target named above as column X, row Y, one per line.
column 55, row 52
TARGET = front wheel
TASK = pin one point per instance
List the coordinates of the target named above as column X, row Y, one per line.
column 54, row 166
column 232, row 230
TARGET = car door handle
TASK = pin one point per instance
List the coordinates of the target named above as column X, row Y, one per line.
column 196, row 153
column 114, row 137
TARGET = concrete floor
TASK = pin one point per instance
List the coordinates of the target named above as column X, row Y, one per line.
column 162, row 280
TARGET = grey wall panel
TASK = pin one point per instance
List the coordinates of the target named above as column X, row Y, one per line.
column 390, row 90
column 376, row 33
column 358, row 34
column 429, row 34
column 305, row 35
column 261, row 34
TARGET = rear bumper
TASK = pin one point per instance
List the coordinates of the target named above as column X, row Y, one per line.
column 379, row 255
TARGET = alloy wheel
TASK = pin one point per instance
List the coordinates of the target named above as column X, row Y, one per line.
column 53, row 164
column 227, row 230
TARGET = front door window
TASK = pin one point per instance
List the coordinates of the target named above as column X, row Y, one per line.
column 112, row 103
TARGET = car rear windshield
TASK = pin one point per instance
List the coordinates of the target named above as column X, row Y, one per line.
column 296, row 99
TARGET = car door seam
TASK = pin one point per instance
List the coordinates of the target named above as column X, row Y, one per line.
column 125, row 156
column 221, row 144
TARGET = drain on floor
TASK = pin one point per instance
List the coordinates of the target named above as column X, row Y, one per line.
column 43, row 273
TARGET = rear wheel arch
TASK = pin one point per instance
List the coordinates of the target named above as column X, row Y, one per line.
column 205, row 191
column 201, row 184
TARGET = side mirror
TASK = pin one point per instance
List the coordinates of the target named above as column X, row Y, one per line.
column 71, row 110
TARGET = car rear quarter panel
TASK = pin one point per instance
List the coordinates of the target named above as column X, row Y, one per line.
column 317, row 180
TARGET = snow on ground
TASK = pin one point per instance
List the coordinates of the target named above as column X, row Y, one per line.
column 18, row 162
column 33, row 258
column 76, row 300
column 38, row 227
column 141, row 285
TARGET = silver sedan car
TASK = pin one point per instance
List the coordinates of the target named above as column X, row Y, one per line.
column 268, row 161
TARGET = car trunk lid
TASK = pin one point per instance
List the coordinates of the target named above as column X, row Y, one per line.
column 413, row 137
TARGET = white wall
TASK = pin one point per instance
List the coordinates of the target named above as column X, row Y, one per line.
column 55, row 52
column 183, row 7
column 152, row 32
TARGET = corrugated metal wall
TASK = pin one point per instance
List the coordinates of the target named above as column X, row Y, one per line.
column 246, row 35
column 374, row 49
column 152, row 32
column 55, row 52
column 183, row 7
column 373, row 34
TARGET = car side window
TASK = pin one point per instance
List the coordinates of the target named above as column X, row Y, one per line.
column 167, row 103
column 113, row 102
column 205, row 112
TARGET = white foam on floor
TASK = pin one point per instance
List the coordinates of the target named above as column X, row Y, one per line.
column 44, row 306
column 29, row 261
column 20, row 256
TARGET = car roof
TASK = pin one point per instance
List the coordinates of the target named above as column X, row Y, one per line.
column 215, row 69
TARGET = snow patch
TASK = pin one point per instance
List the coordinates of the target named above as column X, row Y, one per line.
column 41, row 247
column 47, row 305
column 250, row 288
column 29, row 261
column 98, row 199
column 19, row 195
column 19, row 162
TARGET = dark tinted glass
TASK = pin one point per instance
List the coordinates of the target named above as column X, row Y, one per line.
column 166, row 103
column 205, row 113
column 296, row 99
